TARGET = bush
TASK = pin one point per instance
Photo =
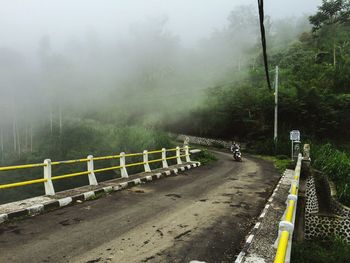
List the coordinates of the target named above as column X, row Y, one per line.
column 334, row 251
column 267, row 147
column 336, row 165
column 204, row 157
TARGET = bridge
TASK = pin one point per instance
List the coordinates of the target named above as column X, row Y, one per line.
column 224, row 212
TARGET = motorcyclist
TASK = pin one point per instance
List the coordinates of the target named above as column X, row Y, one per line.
column 235, row 149
column 234, row 146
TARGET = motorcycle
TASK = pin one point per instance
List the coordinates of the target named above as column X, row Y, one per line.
column 237, row 155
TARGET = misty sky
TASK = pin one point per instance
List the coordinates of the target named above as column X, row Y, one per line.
column 23, row 23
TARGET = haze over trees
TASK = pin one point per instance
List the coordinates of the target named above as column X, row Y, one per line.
column 150, row 79
column 314, row 81
column 138, row 80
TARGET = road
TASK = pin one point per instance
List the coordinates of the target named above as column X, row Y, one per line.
column 203, row 214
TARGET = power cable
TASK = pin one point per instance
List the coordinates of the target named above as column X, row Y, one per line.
column 263, row 41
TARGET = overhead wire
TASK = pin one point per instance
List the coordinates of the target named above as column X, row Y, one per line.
column 263, row 41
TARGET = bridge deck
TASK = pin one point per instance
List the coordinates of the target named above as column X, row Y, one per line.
column 203, row 214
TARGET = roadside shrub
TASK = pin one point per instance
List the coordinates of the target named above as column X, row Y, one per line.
column 336, row 165
column 334, row 251
column 267, row 147
column 204, row 157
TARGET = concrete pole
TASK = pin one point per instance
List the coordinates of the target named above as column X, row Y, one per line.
column 178, row 158
column 145, row 160
column 187, row 153
column 49, row 190
column 123, row 171
column 90, row 167
column 164, row 162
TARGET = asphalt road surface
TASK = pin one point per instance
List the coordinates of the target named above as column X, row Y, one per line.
column 203, row 214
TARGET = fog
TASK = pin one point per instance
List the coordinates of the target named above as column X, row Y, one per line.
column 22, row 23
column 114, row 60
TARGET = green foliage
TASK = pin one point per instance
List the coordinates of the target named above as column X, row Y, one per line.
column 268, row 146
column 281, row 162
column 331, row 12
column 205, row 157
column 80, row 138
column 336, row 164
column 314, row 89
column 334, row 251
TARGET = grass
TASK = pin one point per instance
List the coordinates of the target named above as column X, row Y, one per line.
column 281, row 162
column 205, row 157
column 334, row 251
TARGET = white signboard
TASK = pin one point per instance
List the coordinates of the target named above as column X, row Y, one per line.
column 295, row 135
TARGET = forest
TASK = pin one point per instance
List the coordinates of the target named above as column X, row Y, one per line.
column 90, row 96
column 314, row 91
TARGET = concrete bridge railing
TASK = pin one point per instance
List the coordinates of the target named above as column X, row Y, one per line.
column 286, row 225
column 175, row 154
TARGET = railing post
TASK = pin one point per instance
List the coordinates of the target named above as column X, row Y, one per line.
column 164, row 162
column 90, row 167
column 49, row 190
column 123, row 170
column 187, row 153
column 178, row 158
column 145, row 160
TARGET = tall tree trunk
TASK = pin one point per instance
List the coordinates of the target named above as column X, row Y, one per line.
column 26, row 138
column 60, row 113
column 51, row 121
column 31, row 138
column 334, row 54
column 18, row 141
column 14, row 134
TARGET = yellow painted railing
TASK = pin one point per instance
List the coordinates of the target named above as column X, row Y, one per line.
column 286, row 226
column 47, row 166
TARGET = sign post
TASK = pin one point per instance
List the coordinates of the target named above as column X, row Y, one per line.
column 295, row 138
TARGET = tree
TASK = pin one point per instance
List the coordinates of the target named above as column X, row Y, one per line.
column 328, row 22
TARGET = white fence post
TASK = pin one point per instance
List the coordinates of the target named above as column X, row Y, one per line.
column 178, row 158
column 145, row 160
column 49, row 190
column 123, row 170
column 90, row 167
column 187, row 153
column 164, row 162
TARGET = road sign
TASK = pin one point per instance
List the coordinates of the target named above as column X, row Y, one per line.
column 295, row 135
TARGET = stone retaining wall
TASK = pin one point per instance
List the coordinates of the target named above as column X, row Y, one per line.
column 321, row 226
column 203, row 141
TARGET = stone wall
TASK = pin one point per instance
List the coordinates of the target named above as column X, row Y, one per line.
column 204, row 141
column 322, row 226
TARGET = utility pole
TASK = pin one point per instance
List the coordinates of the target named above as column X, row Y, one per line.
column 275, row 135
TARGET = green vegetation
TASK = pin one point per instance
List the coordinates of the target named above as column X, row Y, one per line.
column 205, row 157
column 334, row 251
column 314, row 90
column 78, row 139
column 281, row 162
column 336, row 165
